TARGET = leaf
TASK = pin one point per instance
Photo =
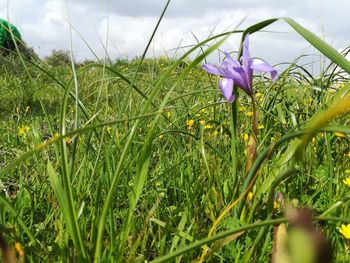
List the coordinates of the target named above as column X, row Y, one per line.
column 61, row 197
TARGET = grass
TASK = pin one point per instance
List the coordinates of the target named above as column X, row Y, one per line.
column 144, row 160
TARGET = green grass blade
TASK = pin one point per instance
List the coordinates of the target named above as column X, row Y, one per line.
column 67, row 211
column 322, row 46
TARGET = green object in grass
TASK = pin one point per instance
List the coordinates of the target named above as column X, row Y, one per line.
column 8, row 33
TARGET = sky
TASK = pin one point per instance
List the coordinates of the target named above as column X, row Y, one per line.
column 123, row 28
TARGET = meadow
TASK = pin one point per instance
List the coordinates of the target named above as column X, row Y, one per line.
column 144, row 160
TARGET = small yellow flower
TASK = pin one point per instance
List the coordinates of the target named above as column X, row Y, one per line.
column 19, row 249
column 347, row 181
column 68, row 140
column 168, row 114
column 261, row 126
column 345, row 231
column 258, row 94
column 250, row 196
column 161, row 136
column 23, row 130
column 202, row 122
column 249, row 113
column 246, row 137
column 242, row 109
column 339, row 134
column 215, row 133
column 208, row 126
column 275, row 204
column 189, row 124
column 313, row 140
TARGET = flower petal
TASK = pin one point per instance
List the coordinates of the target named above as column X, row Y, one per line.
column 226, row 87
column 212, row 69
column 230, row 61
column 265, row 67
column 245, row 53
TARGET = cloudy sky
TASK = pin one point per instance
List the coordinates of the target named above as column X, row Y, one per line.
column 125, row 26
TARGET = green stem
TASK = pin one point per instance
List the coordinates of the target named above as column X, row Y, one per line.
column 284, row 175
column 259, row 161
column 217, row 237
column 233, row 126
column 227, row 233
column 254, row 119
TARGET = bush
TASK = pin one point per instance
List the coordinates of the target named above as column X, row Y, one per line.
column 58, row 58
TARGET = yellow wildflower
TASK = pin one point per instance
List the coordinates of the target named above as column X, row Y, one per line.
column 161, row 136
column 345, row 231
column 242, row 109
column 215, row 133
column 258, row 94
column 250, row 195
column 347, row 181
column 275, row 204
column 208, row 126
column 189, row 124
column 202, row 122
column 68, row 140
column 339, row 134
column 261, row 126
column 168, row 114
column 246, row 137
column 313, row 140
column 23, row 130
column 249, row 113
column 19, row 249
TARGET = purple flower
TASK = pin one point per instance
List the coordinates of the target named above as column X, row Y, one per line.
column 240, row 74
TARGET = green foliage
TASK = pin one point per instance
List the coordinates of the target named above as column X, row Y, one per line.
column 58, row 58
